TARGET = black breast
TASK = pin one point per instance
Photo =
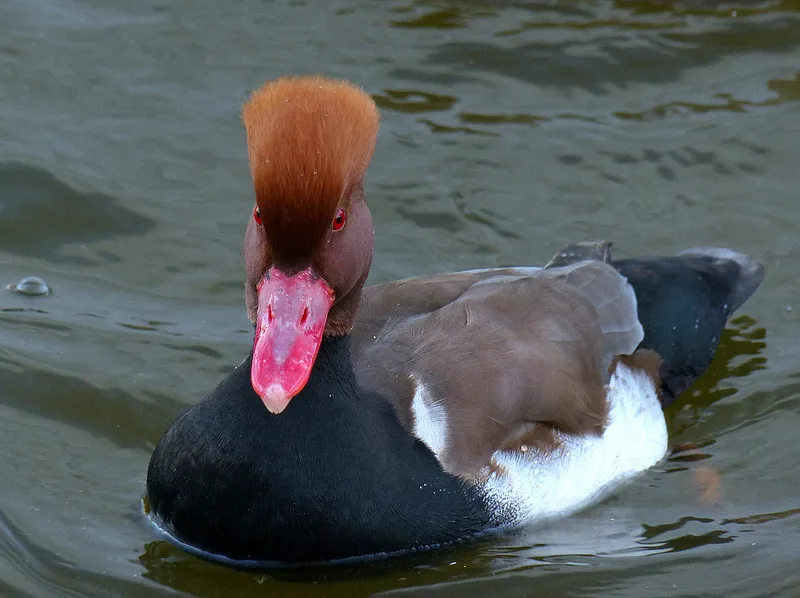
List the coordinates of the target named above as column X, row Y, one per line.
column 334, row 476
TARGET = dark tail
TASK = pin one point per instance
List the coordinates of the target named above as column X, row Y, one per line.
column 684, row 302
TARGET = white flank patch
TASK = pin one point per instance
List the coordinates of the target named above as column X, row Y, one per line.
column 535, row 487
column 430, row 420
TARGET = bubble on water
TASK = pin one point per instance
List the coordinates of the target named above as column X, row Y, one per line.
column 32, row 286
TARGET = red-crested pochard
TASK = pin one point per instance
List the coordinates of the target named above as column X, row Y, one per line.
column 427, row 411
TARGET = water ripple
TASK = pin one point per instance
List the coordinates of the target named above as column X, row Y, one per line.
column 40, row 215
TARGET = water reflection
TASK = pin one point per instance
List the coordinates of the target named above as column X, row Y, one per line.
column 170, row 566
column 683, row 542
column 707, row 7
column 695, row 532
column 763, row 517
column 441, row 15
column 441, row 128
column 501, row 119
column 413, row 101
column 630, row 56
column 787, row 90
column 739, row 354
column 582, row 15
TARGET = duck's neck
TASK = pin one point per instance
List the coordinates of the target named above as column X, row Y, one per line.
column 335, row 475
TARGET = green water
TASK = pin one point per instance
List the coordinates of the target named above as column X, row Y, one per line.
column 509, row 129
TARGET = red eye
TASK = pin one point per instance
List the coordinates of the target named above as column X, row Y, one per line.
column 340, row 220
column 257, row 217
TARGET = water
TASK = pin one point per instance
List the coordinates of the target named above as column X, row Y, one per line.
column 509, row 129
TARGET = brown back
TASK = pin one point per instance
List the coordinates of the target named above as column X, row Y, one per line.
column 511, row 354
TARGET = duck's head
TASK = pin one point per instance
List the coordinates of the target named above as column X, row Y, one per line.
column 309, row 242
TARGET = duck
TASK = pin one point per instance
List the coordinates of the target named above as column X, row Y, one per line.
column 373, row 420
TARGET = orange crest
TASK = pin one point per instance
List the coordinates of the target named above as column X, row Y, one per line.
column 310, row 140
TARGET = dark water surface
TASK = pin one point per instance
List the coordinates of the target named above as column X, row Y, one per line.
column 509, row 129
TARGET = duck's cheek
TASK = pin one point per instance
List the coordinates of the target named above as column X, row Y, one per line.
column 290, row 321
